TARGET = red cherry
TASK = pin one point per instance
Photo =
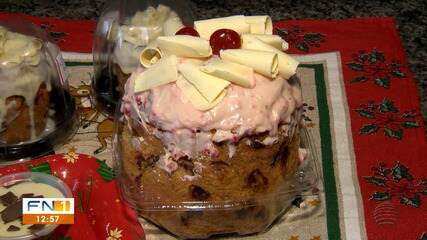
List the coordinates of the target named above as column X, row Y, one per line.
column 224, row 39
column 187, row 31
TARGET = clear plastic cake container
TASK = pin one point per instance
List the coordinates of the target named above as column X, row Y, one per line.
column 37, row 111
column 124, row 28
column 204, row 219
column 35, row 177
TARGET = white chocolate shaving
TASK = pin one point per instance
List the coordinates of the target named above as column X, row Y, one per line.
column 273, row 40
column 163, row 72
column 260, row 24
column 184, row 46
column 171, row 26
column 230, row 71
column 263, row 62
column 209, row 86
column 206, row 27
column 287, row 64
column 193, row 95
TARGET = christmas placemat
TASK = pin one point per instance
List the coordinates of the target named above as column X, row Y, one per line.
column 361, row 107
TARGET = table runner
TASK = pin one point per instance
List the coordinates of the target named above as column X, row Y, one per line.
column 361, row 107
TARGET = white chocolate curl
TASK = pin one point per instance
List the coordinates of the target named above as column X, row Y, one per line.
column 184, row 46
column 272, row 40
column 232, row 72
column 260, row 24
column 206, row 27
column 287, row 64
column 263, row 62
column 150, row 55
column 163, row 72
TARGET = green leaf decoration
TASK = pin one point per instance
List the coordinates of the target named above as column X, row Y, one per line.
column 66, row 238
column 375, row 180
column 400, row 171
column 384, row 172
column 410, row 124
column 423, row 236
column 355, row 66
column 383, row 82
column 380, row 196
column 368, row 129
column 379, row 55
column 413, row 202
column 282, row 32
column 393, row 133
column 359, row 79
column 387, row 105
column 302, row 46
column 397, row 73
column 365, row 113
column 105, row 171
column 41, row 168
column 313, row 36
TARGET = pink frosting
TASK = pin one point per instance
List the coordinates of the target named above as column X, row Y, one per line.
column 185, row 130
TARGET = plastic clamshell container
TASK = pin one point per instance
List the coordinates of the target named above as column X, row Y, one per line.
column 36, row 178
column 123, row 30
column 260, row 194
column 36, row 108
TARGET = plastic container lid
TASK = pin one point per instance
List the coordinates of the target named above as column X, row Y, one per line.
column 36, row 109
column 35, row 177
column 123, row 30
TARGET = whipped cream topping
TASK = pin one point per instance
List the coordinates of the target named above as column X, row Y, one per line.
column 186, row 131
column 140, row 30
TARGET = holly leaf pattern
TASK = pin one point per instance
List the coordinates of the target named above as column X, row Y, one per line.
column 302, row 46
column 382, row 82
column 397, row 73
column 359, row 79
column 398, row 134
column 380, row 196
column 410, row 124
column 375, row 180
column 388, row 105
column 368, row 129
column 413, row 202
column 300, row 40
column 355, row 66
column 375, row 67
column 365, row 113
column 399, row 172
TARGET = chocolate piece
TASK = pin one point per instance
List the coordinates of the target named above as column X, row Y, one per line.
column 199, row 193
column 281, row 155
column 8, row 199
column 257, row 180
column 27, row 195
column 12, row 212
column 36, row 227
column 186, row 163
column 257, row 144
column 13, row 228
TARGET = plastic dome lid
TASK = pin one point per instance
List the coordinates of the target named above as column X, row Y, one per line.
column 123, row 30
column 36, row 109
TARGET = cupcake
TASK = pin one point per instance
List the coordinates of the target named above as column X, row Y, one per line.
column 211, row 129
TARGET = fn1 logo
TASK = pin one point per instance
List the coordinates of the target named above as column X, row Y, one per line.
column 48, row 211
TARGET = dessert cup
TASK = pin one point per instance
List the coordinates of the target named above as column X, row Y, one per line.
column 36, row 109
column 48, row 185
